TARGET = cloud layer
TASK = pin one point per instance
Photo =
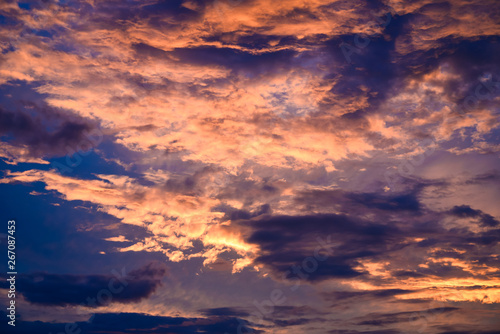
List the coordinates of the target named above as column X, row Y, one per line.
column 348, row 148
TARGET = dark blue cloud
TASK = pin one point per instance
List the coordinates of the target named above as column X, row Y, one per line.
column 343, row 295
column 122, row 323
column 391, row 318
column 27, row 120
column 224, row 311
column 101, row 290
column 465, row 211
column 287, row 240
column 347, row 201
column 236, row 60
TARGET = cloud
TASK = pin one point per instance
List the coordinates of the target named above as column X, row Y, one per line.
column 90, row 290
column 224, row 311
column 244, row 133
column 126, row 322
column 465, row 211
column 174, row 222
column 31, row 133
column 370, row 244
column 286, row 241
column 381, row 320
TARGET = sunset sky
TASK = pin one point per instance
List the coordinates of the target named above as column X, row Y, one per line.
column 251, row 166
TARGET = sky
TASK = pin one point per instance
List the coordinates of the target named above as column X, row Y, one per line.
column 250, row 166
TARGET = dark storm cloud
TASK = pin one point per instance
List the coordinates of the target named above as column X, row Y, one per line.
column 295, row 311
column 145, row 50
column 346, row 201
column 253, row 41
column 172, row 8
column 442, row 270
column 466, row 211
column 458, row 51
column 492, row 176
column 386, row 319
column 365, row 63
column 347, row 295
column 61, row 290
column 473, row 86
column 113, row 14
column 393, row 203
column 25, row 119
column 480, row 52
column 385, row 331
column 224, row 311
column 191, row 184
column 288, row 316
column 236, row 60
column 234, row 214
column 293, row 322
column 470, row 332
column 286, row 240
column 127, row 322
column 27, row 130
column 121, row 323
column 361, row 74
column 372, row 65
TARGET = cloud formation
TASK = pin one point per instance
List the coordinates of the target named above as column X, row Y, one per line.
column 90, row 290
column 233, row 135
